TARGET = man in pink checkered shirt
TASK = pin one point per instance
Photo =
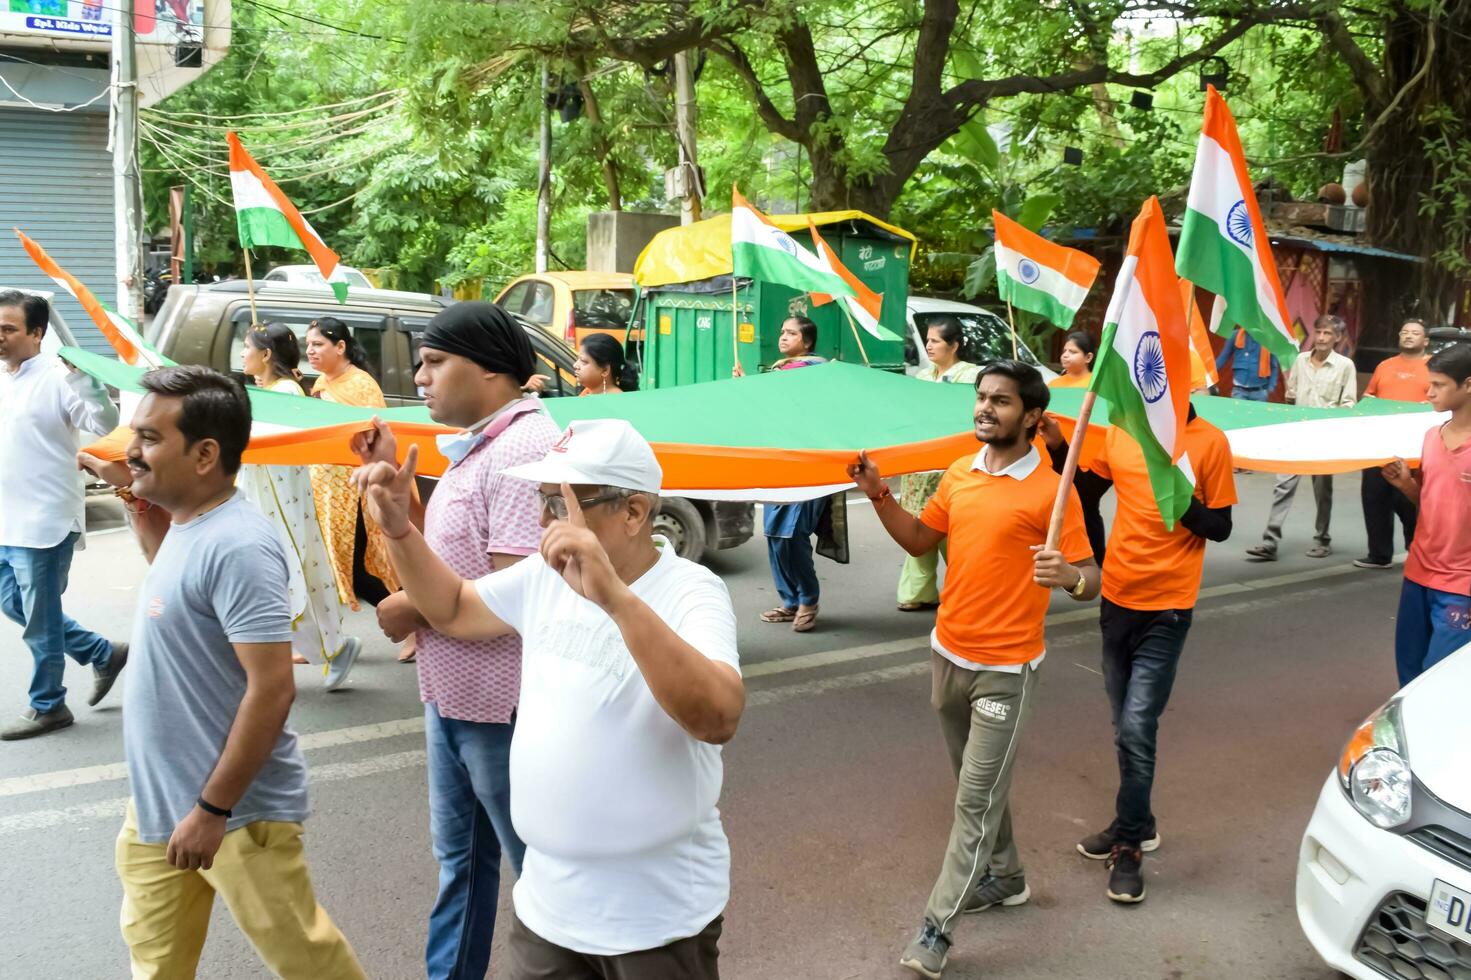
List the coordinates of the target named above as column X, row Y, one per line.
column 475, row 359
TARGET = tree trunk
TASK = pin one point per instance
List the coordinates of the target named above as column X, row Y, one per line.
column 1419, row 175
column 602, row 146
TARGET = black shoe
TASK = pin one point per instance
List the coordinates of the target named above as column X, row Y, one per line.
column 1126, row 874
column 1100, row 845
column 1371, row 563
column 32, row 723
column 104, row 677
column 927, row 954
column 991, row 890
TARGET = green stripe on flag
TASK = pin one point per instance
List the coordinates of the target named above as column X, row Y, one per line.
column 1113, row 380
column 1214, row 263
column 266, row 226
column 773, row 265
column 1034, row 300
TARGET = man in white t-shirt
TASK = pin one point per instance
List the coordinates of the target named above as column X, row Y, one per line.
column 630, row 684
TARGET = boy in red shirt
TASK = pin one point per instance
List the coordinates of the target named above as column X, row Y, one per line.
column 1434, row 610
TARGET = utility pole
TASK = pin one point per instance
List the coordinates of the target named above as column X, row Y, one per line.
column 544, row 175
column 684, row 129
column 127, row 190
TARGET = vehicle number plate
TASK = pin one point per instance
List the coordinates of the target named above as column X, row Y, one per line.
column 1449, row 910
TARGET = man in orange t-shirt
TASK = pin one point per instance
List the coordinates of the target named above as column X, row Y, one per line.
column 1406, row 378
column 994, row 507
column 1151, row 579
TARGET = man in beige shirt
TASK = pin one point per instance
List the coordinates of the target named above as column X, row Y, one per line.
column 1323, row 379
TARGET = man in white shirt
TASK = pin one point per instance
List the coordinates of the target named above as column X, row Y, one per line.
column 1323, row 379
column 43, row 407
column 630, row 684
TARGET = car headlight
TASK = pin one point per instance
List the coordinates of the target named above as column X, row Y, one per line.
column 1375, row 770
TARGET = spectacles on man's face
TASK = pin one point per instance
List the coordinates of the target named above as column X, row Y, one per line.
column 557, row 504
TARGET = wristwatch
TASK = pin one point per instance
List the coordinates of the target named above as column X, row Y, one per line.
column 1077, row 591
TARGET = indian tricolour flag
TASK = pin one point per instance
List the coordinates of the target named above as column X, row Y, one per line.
column 1223, row 243
column 266, row 216
column 761, row 250
column 1041, row 276
column 865, row 306
column 1143, row 365
column 116, row 328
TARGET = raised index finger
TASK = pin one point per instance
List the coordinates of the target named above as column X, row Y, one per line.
column 405, row 473
column 574, row 507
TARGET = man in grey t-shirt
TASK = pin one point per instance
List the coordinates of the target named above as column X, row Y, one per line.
column 218, row 780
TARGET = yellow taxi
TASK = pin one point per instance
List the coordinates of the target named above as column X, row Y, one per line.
column 570, row 304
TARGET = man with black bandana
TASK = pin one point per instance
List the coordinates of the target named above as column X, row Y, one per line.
column 475, row 360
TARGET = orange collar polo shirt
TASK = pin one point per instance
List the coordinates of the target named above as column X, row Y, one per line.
column 1147, row 567
column 991, row 612
column 1401, row 378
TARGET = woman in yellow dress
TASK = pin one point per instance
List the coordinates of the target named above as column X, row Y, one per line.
column 354, row 541
column 270, row 355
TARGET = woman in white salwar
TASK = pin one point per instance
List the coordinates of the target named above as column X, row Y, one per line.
column 270, row 356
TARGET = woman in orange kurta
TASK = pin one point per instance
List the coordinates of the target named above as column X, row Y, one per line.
column 1077, row 361
column 354, row 541
column 1077, row 371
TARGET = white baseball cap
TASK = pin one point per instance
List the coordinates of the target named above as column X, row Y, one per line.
column 597, row 452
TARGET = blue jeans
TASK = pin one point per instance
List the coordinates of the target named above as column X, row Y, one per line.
column 1250, row 394
column 1431, row 626
column 31, row 583
column 470, row 825
column 1141, row 650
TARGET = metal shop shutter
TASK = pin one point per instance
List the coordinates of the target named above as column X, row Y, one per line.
column 56, row 186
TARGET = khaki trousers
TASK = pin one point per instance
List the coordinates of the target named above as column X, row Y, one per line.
column 982, row 714
column 260, row 871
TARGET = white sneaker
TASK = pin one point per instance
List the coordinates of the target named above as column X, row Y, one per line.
column 341, row 665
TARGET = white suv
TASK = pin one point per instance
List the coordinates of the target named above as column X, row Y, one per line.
column 1384, row 874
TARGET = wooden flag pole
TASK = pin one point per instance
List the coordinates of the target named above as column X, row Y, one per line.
column 250, row 288
column 1011, row 321
column 854, row 326
column 1069, row 469
column 735, row 322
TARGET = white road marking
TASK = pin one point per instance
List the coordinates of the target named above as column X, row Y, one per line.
column 114, row 808
column 89, row 775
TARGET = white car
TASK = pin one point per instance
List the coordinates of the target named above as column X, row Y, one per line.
column 987, row 336
column 1384, row 874
column 307, row 275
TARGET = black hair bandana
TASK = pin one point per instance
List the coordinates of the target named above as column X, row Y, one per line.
column 483, row 333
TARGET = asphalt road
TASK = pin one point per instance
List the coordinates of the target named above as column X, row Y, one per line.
column 838, row 794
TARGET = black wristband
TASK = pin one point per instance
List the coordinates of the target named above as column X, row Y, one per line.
column 212, row 809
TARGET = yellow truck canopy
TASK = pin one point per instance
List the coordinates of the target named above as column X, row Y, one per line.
column 702, row 250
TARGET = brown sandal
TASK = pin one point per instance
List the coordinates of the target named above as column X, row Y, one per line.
column 804, row 620
column 780, row 614
column 918, row 606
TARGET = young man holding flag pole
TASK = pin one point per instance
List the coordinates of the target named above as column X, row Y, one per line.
column 1172, row 476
